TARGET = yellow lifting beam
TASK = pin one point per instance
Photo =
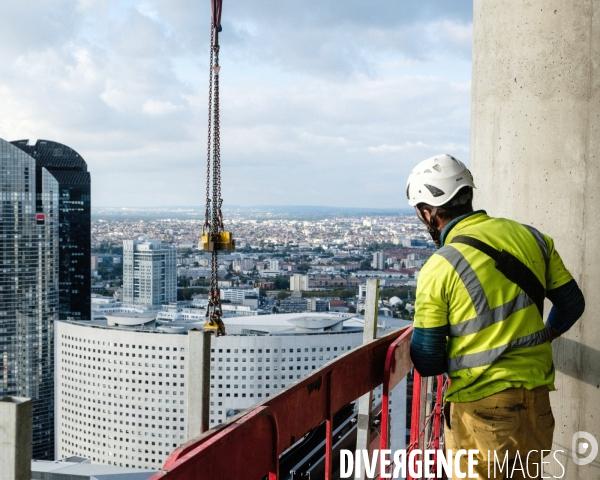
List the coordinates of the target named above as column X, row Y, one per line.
column 225, row 242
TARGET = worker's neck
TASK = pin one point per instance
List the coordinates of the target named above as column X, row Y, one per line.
column 447, row 225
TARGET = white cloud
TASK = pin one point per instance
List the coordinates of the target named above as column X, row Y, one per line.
column 336, row 101
column 396, row 148
column 114, row 96
column 157, row 108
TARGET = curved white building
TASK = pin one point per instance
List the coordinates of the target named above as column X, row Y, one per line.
column 122, row 390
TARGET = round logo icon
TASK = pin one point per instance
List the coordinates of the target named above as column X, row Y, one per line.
column 584, row 448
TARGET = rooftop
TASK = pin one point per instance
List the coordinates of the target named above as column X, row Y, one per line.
column 76, row 468
column 276, row 324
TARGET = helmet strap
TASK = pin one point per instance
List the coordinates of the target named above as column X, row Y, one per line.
column 435, row 235
column 431, row 225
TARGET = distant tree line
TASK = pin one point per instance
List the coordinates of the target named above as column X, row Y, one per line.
column 401, row 292
column 186, row 294
column 377, row 246
column 342, row 294
column 108, row 249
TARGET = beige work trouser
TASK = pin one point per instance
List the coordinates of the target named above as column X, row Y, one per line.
column 513, row 420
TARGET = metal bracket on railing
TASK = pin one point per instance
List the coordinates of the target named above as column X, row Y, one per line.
column 422, row 422
column 397, row 366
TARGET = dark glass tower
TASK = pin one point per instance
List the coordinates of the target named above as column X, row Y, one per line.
column 29, row 242
column 70, row 171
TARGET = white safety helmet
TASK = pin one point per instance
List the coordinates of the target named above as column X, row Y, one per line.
column 437, row 180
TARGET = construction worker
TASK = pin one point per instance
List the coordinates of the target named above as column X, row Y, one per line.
column 478, row 317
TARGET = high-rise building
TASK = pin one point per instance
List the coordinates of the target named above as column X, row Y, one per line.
column 378, row 262
column 243, row 264
column 299, row 282
column 29, row 290
column 74, row 218
column 149, row 272
column 274, row 265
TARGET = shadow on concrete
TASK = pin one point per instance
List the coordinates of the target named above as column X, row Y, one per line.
column 563, row 454
column 578, row 361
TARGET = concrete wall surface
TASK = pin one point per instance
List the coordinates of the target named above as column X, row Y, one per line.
column 15, row 438
column 535, row 156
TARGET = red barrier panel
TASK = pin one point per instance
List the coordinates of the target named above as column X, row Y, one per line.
column 292, row 413
column 246, row 448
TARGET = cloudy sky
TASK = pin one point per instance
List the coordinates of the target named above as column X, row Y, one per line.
column 323, row 102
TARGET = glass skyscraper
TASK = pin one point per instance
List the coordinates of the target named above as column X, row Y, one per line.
column 74, row 275
column 29, row 246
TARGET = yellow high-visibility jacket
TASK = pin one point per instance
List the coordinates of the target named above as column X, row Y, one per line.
column 497, row 338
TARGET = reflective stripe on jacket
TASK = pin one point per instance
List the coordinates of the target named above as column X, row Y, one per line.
column 496, row 335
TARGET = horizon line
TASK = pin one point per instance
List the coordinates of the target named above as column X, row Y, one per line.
column 251, row 206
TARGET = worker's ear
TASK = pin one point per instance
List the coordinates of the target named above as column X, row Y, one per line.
column 426, row 213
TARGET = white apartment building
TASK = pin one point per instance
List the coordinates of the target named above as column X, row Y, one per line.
column 237, row 294
column 243, row 264
column 193, row 272
column 149, row 272
column 232, row 294
column 378, row 262
column 102, row 305
column 299, row 282
column 196, row 311
column 122, row 392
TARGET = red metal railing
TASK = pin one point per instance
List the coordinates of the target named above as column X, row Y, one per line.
column 248, row 446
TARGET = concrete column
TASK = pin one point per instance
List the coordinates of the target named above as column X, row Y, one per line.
column 199, row 383
column 15, row 438
column 365, row 403
column 535, row 150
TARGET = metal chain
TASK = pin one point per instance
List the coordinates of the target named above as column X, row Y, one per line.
column 217, row 201
column 217, row 223
column 208, row 143
column 214, row 310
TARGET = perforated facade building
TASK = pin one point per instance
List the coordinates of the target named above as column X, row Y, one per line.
column 123, row 392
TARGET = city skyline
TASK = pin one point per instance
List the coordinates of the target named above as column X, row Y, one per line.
column 248, row 231
column 320, row 105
